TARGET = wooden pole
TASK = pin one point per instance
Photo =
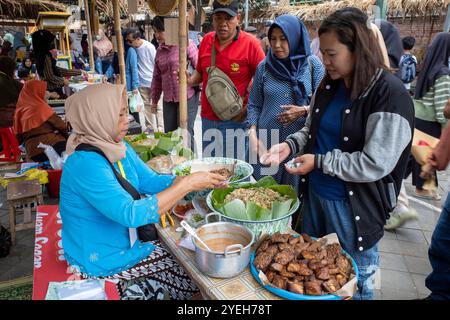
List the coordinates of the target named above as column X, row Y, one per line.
column 88, row 23
column 120, row 51
column 182, row 9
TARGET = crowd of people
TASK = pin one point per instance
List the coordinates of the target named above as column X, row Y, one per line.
column 343, row 106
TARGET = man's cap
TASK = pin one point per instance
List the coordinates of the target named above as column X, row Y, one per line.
column 251, row 30
column 230, row 7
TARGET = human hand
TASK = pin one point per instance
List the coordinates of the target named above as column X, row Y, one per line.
column 154, row 108
column 291, row 114
column 204, row 180
column 447, row 110
column 135, row 91
column 256, row 146
column 66, row 82
column 277, row 154
column 306, row 162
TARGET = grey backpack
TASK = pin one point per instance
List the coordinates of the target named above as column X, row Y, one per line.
column 221, row 92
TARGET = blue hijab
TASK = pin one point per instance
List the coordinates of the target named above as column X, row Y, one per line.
column 291, row 69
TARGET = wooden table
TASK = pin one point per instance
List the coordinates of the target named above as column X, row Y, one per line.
column 242, row 287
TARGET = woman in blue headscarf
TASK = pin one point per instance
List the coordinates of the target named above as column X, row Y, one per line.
column 283, row 85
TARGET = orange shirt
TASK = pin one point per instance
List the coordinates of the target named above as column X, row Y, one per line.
column 238, row 60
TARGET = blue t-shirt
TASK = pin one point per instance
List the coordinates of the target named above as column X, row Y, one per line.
column 328, row 138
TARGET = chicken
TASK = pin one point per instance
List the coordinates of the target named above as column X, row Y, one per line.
column 313, row 288
column 280, row 238
column 343, row 264
column 287, row 274
column 307, row 238
column 293, row 240
column 322, row 274
column 333, row 250
column 299, row 247
column 270, row 274
column 299, row 268
column 279, row 282
column 317, row 264
column 263, row 246
column 331, row 285
column 296, row 287
column 341, row 279
column 264, row 259
column 284, row 246
column 277, row 267
column 308, row 255
column 284, row 257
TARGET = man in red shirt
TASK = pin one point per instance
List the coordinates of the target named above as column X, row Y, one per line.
column 237, row 55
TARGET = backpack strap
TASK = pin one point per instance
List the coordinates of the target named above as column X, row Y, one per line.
column 122, row 181
column 213, row 55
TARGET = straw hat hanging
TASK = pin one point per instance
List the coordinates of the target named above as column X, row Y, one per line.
column 162, row 7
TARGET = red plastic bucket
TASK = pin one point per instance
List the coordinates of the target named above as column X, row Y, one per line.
column 54, row 179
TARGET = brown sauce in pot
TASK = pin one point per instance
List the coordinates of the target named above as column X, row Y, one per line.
column 219, row 244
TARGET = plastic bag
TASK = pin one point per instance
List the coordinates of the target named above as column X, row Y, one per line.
column 55, row 160
column 135, row 102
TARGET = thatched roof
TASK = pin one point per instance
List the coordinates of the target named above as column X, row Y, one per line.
column 403, row 8
column 27, row 9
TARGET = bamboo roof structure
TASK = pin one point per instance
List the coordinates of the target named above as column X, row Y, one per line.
column 405, row 8
column 27, row 9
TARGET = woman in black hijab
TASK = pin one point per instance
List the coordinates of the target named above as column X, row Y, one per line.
column 9, row 89
column 44, row 49
column 393, row 43
column 432, row 94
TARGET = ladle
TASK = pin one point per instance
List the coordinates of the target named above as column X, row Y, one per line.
column 192, row 232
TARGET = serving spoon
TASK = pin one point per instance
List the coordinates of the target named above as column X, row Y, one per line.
column 192, row 232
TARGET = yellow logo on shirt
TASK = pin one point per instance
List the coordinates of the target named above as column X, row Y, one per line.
column 235, row 67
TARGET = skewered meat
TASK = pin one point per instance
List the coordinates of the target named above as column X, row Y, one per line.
column 280, row 238
column 279, row 282
column 299, row 268
column 296, row 287
column 322, row 274
column 312, row 288
column 284, row 257
column 277, row 267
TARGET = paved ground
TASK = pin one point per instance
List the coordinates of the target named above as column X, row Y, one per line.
column 404, row 260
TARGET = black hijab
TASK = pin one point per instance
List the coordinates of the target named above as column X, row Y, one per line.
column 393, row 43
column 43, row 41
column 435, row 64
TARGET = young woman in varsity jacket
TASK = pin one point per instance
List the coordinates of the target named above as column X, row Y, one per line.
column 354, row 146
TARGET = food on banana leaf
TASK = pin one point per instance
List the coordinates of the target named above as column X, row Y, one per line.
column 264, row 200
column 165, row 163
column 263, row 197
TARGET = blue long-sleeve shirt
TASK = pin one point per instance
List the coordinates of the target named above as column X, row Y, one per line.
column 97, row 212
column 131, row 69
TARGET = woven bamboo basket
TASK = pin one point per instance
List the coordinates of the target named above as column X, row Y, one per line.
column 162, row 7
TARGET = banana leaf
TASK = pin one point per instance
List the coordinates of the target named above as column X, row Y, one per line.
column 253, row 212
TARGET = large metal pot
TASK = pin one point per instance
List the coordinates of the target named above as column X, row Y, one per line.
column 229, row 261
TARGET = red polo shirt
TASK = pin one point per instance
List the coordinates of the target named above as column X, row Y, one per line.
column 238, row 60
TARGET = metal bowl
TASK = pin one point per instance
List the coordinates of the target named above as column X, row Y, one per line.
column 234, row 258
